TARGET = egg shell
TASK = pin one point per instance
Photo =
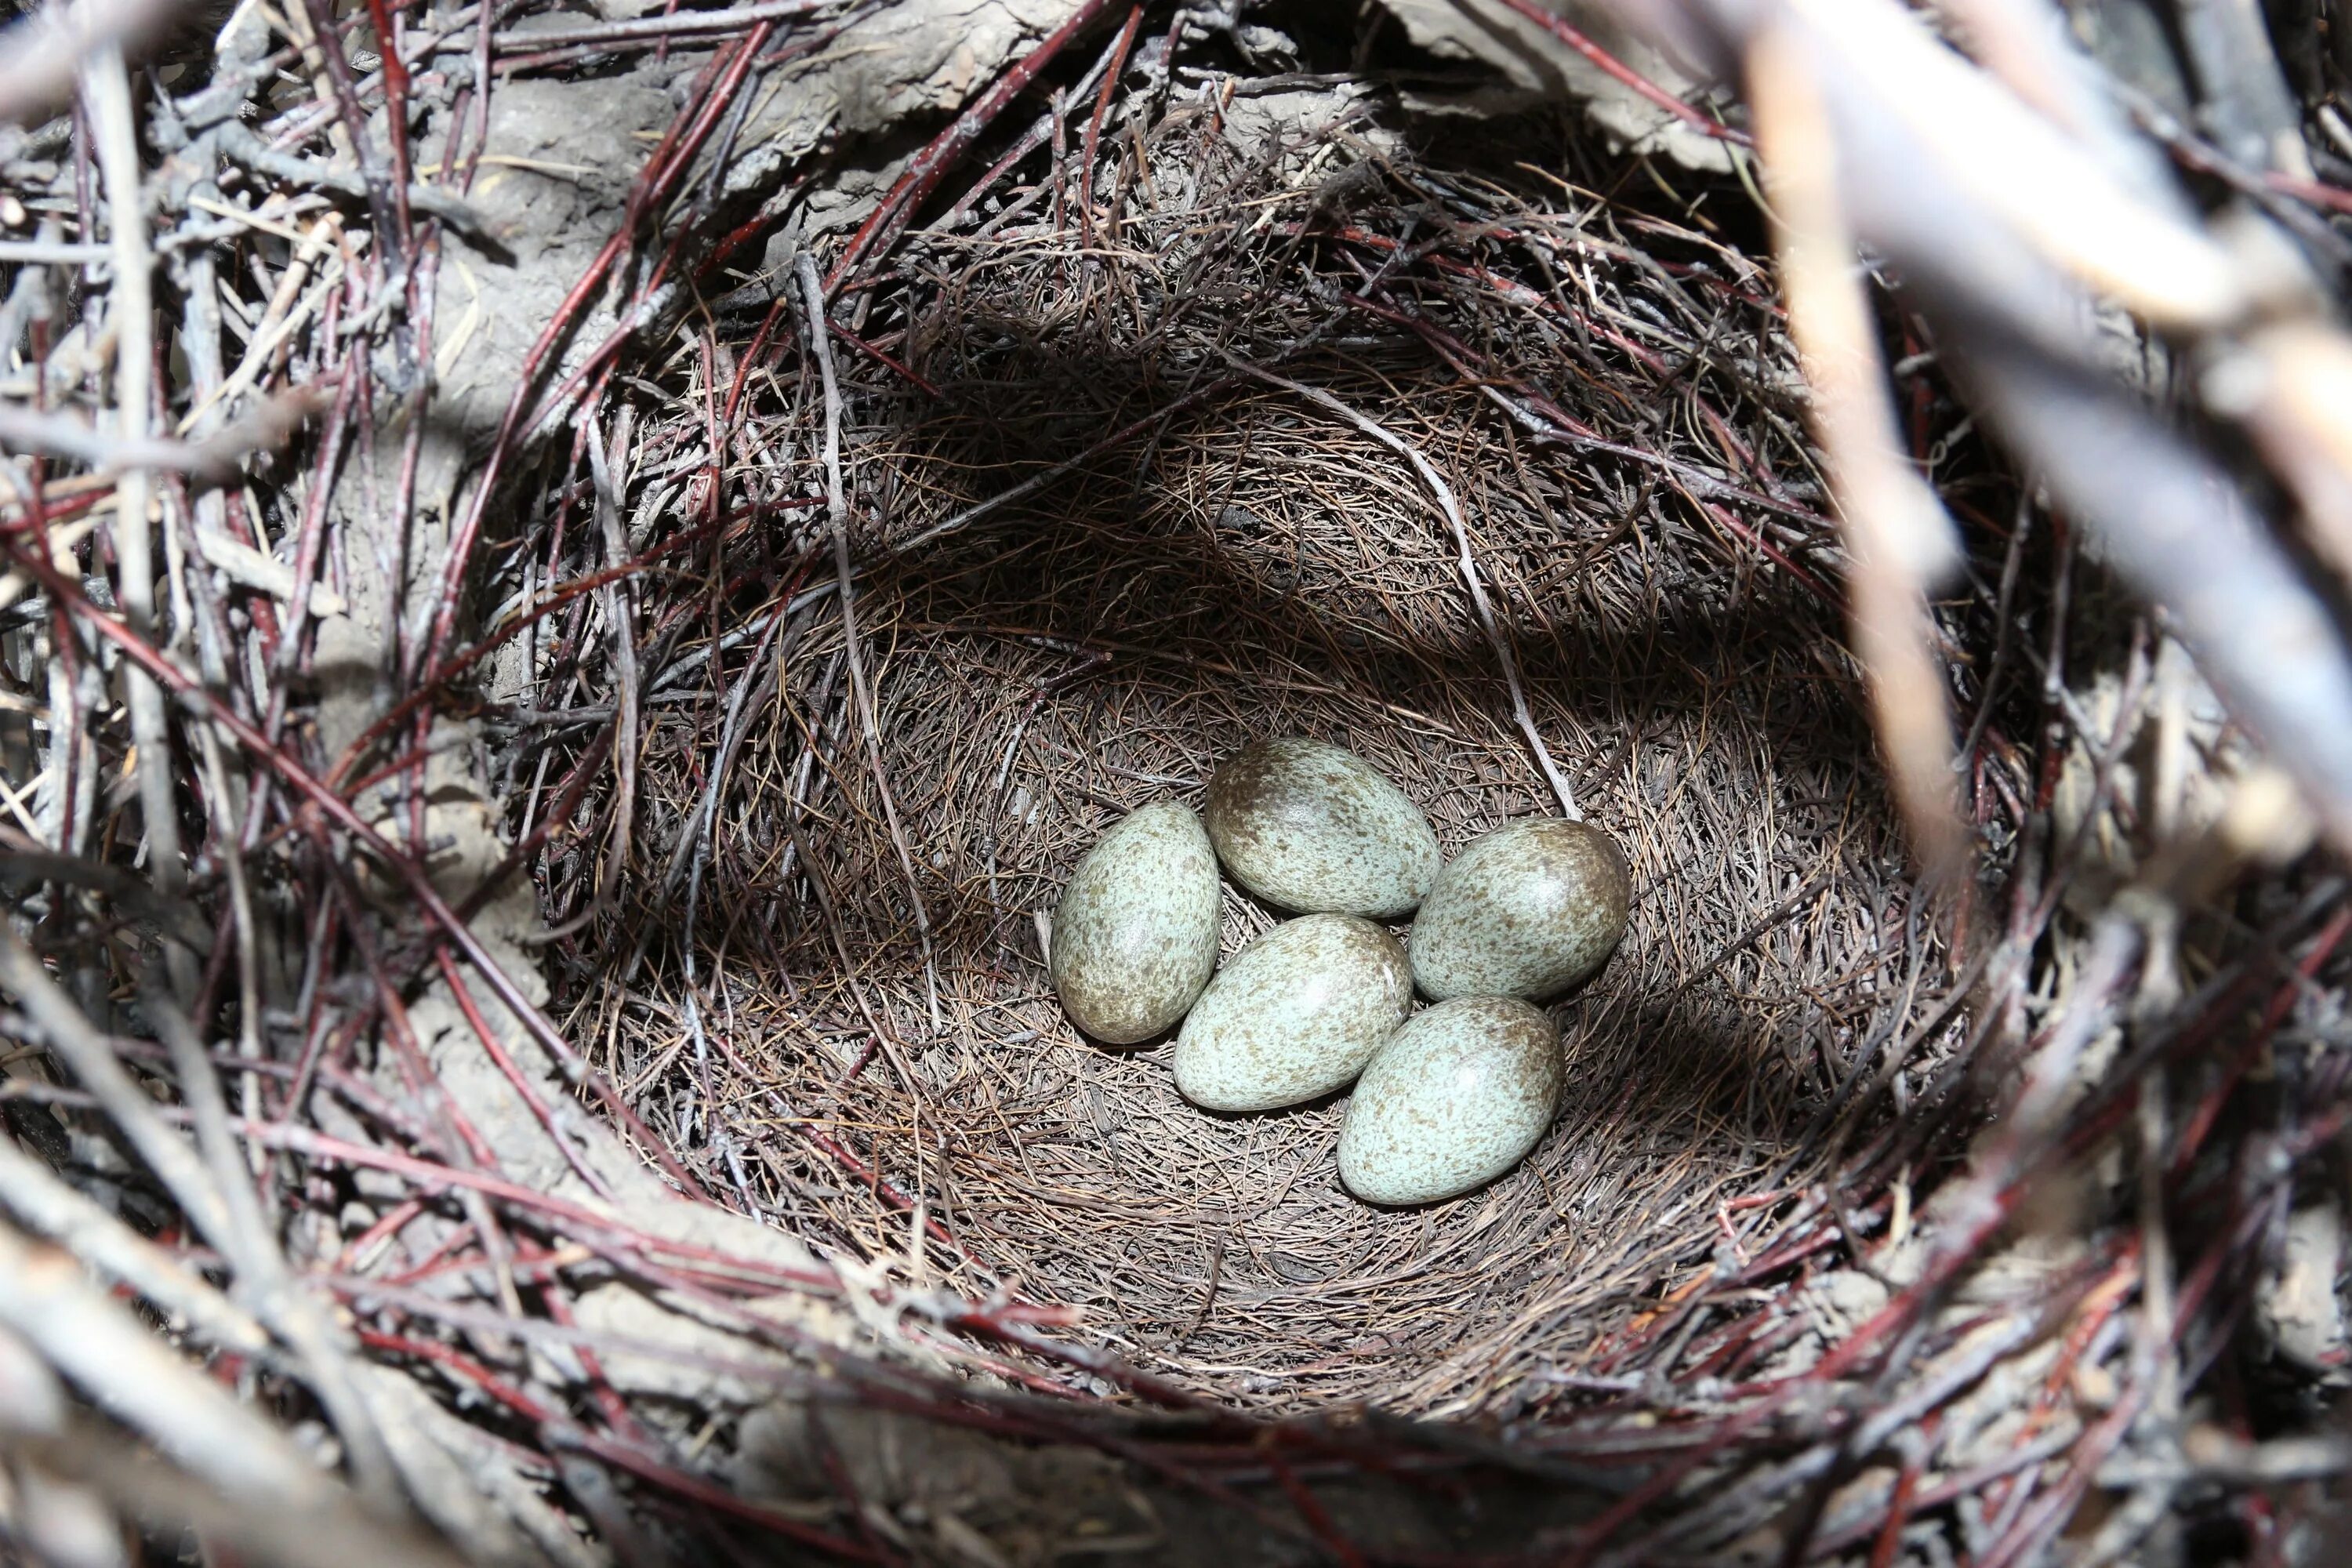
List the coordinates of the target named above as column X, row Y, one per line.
column 1295, row 1014
column 1526, row 910
column 1135, row 935
column 1454, row 1099
column 1315, row 828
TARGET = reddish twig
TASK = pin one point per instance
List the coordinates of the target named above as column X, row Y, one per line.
column 874, row 235
column 1557, row 27
column 1094, row 121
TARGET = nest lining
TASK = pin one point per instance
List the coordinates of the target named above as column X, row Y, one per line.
column 1249, row 564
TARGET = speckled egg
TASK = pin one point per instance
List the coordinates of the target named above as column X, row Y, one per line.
column 1135, row 936
column 1526, row 910
column 1315, row 828
column 1457, row 1097
column 1295, row 1014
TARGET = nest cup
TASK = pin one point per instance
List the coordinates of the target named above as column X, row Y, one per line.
column 866, row 912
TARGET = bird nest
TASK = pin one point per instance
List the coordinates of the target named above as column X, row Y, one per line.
column 1275, row 501
column 569, row 954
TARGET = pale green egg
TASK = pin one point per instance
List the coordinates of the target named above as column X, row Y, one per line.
column 1135, row 934
column 1315, row 828
column 1526, row 910
column 1295, row 1014
column 1454, row 1099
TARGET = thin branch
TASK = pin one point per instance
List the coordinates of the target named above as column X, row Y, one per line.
column 837, row 510
column 1897, row 535
column 106, row 88
column 40, row 54
column 42, row 1202
column 112, row 1357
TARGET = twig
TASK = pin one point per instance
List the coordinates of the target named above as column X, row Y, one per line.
column 46, row 252
column 40, row 53
column 43, row 1203
column 246, row 566
column 2011, row 171
column 85, row 1051
column 128, row 1370
column 263, row 1276
column 837, row 510
column 284, row 317
column 672, row 24
column 1899, row 537
column 1557, row 27
column 620, row 614
column 106, row 86
column 413, row 879
column 1118, row 48
column 222, row 1210
column 278, row 1531
column 71, row 438
column 241, row 145
column 214, row 461
column 949, row 145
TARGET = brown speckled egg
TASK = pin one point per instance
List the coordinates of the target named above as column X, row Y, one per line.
column 1295, row 1014
column 1526, row 910
column 1135, row 936
column 1315, row 828
column 1457, row 1097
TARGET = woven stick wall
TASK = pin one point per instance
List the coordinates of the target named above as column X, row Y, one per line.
column 664, row 533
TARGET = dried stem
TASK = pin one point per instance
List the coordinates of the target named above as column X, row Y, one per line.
column 837, row 512
column 105, row 89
